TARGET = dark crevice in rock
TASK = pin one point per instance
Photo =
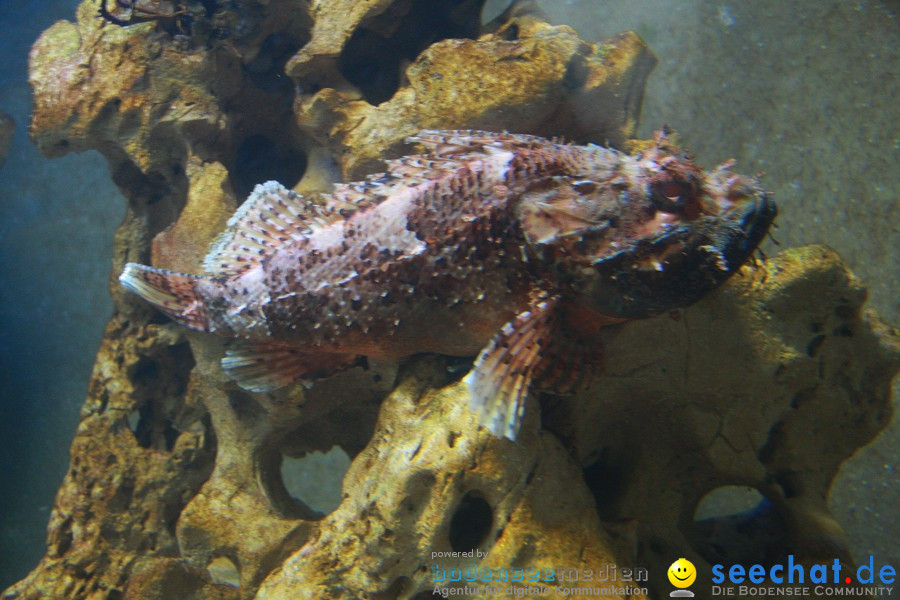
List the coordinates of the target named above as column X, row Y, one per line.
column 376, row 53
column 155, row 197
column 63, row 537
column 471, row 522
column 266, row 70
column 756, row 536
column 160, row 383
column 606, row 478
column 266, row 144
column 259, row 158
column 349, row 427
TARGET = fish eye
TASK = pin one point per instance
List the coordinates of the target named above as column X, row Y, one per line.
column 672, row 195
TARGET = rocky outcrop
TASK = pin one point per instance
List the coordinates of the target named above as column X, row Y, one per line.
column 175, row 486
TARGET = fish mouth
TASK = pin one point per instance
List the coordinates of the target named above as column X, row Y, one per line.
column 677, row 267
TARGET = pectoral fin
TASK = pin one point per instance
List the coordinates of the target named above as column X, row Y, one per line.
column 265, row 366
column 503, row 372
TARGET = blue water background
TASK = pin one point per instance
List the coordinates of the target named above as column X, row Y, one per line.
column 805, row 91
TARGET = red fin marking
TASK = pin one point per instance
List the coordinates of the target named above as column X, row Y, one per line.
column 265, row 366
column 171, row 292
column 574, row 351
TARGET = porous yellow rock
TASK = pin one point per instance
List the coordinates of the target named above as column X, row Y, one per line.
column 210, row 203
column 527, row 77
column 175, row 488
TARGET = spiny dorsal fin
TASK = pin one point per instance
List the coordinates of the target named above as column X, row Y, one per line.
column 403, row 174
column 458, row 141
column 271, row 216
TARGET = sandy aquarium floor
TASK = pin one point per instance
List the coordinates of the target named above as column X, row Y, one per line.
column 803, row 91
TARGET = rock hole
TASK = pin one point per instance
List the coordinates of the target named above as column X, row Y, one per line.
column 259, row 159
column 511, row 33
column 471, row 522
column 134, row 419
column 313, row 458
column 605, row 478
column 145, row 372
column 316, row 479
column 65, row 537
column 814, row 345
column 576, row 73
column 531, row 474
column 737, row 524
column 222, row 570
column 774, row 443
column 458, row 367
column 153, row 196
column 842, row 331
column 160, row 382
column 171, row 512
column 727, row 500
column 124, row 493
column 151, row 429
column 266, row 70
column 845, row 312
column 375, row 54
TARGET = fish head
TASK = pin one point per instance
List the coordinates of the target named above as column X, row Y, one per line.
column 645, row 233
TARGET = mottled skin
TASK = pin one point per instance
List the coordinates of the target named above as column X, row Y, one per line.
column 514, row 245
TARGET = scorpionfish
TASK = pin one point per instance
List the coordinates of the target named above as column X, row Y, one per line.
column 514, row 248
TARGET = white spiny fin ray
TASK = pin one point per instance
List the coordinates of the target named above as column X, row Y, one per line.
column 450, row 142
column 171, row 292
column 347, row 198
column 404, row 174
column 264, row 366
column 422, row 166
column 499, row 381
column 270, row 217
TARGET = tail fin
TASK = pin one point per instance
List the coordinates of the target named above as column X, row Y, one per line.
column 171, row 292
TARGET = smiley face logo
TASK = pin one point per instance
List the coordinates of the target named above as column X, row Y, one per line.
column 682, row 573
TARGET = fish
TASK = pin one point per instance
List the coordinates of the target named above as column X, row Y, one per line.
column 511, row 247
